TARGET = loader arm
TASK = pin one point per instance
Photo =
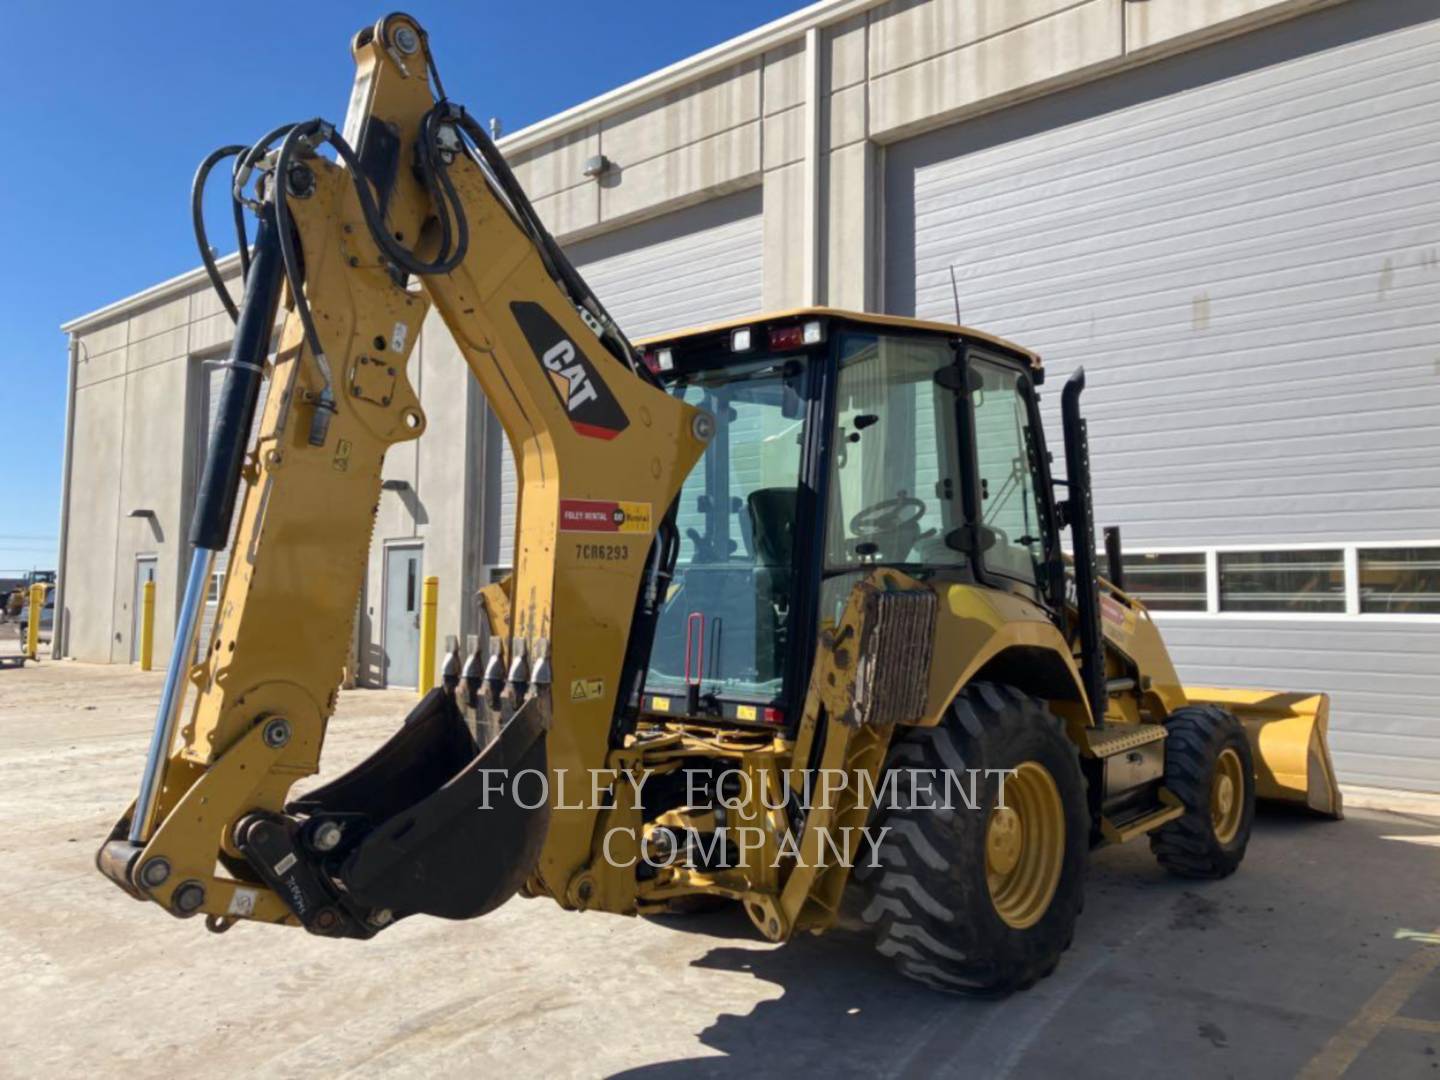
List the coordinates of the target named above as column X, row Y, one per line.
column 419, row 210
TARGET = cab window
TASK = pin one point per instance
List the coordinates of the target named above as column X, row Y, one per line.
column 1011, row 514
column 894, row 484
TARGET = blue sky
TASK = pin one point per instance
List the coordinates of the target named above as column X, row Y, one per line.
column 109, row 107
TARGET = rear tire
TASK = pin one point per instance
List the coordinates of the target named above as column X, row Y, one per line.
column 1209, row 767
column 982, row 900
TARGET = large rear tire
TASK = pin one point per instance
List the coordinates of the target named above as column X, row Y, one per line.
column 1209, row 767
column 980, row 900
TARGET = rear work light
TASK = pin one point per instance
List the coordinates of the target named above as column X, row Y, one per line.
column 740, row 340
column 797, row 337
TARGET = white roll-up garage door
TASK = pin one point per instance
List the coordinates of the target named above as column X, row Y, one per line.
column 683, row 269
column 1242, row 247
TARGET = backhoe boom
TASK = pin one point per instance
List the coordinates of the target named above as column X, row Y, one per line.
column 592, row 435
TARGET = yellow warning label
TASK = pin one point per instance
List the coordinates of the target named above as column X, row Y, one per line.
column 660, row 704
column 587, row 689
column 745, row 712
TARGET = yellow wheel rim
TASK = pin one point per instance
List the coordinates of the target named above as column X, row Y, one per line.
column 1025, row 846
column 1227, row 795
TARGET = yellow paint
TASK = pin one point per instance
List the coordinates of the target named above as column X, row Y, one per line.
column 1350, row 1041
column 973, row 627
column 429, row 605
column 32, row 628
column 1421, row 936
column 147, row 627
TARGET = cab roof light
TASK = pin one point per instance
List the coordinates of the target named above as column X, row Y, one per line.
column 741, row 340
column 665, row 360
column 783, row 338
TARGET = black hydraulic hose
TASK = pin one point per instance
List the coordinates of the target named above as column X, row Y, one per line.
column 436, row 179
column 245, row 165
column 230, row 437
column 197, row 218
column 237, row 210
column 557, row 263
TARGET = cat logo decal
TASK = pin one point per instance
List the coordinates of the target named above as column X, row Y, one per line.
column 588, row 402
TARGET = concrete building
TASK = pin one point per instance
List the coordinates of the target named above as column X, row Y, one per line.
column 1227, row 210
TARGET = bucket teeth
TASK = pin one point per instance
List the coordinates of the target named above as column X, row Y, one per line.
column 540, row 676
column 495, row 673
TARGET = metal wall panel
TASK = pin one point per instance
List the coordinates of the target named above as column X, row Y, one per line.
column 694, row 266
column 1384, row 680
column 1242, row 247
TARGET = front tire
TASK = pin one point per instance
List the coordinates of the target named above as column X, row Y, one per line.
column 980, row 900
column 1209, row 767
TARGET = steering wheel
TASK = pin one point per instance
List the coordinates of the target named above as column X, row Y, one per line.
column 888, row 516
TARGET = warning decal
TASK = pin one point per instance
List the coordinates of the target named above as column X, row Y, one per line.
column 1112, row 610
column 602, row 516
column 587, row 689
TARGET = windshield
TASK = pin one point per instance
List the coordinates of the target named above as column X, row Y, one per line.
column 725, row 621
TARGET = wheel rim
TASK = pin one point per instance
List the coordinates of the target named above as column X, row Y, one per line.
column 1025, row 846
column 1227, row 790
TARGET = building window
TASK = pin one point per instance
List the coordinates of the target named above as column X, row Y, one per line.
column 1400, row 581
column 1282, row 581
column 217, row 584
column 1173, row 581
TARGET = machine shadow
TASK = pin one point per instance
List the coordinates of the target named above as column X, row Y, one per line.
column 836, row 992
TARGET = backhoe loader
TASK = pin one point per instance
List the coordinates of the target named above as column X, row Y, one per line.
column 791, row 623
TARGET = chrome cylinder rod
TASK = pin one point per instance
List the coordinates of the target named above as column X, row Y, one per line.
column 215, row 500
column 172, row 698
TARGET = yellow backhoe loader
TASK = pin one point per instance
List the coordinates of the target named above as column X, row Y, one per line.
column 789, row 623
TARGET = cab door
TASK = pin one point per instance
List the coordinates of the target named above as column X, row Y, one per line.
column 1008, row 489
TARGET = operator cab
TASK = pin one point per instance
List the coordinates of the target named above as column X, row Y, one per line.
column 842, row 442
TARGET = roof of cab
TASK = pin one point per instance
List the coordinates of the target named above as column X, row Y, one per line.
column 839, row 313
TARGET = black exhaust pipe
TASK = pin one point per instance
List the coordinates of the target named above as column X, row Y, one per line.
column 1114, row 560
column 1080, row 516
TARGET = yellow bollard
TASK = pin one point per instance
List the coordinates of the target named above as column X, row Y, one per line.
column 147, row 627
column 32, row 629
column 429, row 601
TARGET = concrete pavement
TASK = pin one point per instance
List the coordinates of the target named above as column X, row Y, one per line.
column 1313, row 957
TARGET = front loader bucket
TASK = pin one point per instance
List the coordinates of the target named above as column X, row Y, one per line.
column 452, row 832
column 1287, row 738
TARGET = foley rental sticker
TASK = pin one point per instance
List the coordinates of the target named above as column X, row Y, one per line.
column 602, row 516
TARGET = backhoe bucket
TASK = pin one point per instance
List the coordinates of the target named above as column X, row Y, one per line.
column 1287, row 738
column 450, row 831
